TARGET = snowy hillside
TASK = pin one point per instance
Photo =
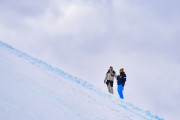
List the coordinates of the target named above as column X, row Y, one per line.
column 30, row 89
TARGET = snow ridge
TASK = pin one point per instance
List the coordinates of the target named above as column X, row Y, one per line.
column 147, row 115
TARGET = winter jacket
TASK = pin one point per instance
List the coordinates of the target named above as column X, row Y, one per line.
column 110, row 76
column 121, row 79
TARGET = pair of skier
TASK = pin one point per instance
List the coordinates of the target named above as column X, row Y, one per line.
column 121, row 79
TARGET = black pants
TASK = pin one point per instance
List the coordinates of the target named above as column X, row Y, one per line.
column 109, row 82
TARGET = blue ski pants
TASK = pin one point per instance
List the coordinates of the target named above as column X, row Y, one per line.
column 120, row 91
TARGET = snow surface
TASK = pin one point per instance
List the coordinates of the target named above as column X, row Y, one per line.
column 30, row 89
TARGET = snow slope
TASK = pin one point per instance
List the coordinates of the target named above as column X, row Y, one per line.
column 30, row 89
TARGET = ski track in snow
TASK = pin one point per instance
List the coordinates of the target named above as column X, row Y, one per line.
column 146, row 115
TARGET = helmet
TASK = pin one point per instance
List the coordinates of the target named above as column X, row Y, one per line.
column 121, row 70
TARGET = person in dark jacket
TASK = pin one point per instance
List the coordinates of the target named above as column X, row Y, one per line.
column 121, row 79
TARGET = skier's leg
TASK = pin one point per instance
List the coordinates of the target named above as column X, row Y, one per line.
column 112, row 90
column 120, row 91
column 112, row 87
column 109, row 88
column 107, row 83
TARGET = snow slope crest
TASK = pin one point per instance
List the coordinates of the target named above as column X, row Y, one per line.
column 31, row 89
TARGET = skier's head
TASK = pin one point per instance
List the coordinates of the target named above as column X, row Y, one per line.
column 121, row 70
column 111, row 68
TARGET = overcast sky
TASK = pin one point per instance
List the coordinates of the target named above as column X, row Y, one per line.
column 86, row 37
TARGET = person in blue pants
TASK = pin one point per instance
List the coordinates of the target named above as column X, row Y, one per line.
column 120, row 91
column 121, row 79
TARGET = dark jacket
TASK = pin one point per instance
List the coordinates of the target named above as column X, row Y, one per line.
column 121, row 79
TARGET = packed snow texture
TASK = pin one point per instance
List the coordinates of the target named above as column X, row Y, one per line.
column 31, row 89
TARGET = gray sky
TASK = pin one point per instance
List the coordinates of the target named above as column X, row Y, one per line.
column 85, row 37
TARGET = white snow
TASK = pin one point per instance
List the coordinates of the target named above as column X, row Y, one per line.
column 30, row 89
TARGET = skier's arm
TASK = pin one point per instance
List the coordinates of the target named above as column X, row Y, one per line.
column 105, row 78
